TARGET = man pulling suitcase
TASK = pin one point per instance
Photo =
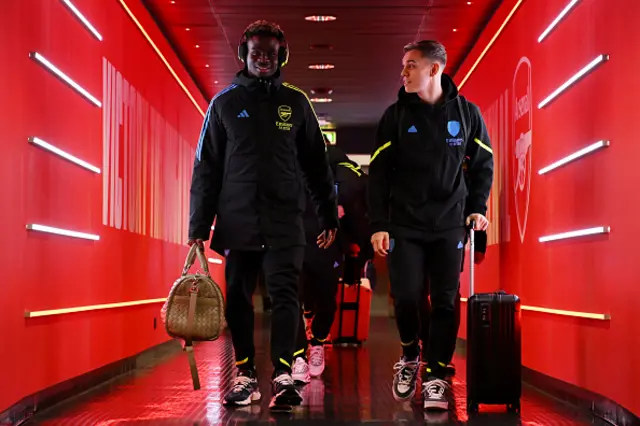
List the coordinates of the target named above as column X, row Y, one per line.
column 419, row 204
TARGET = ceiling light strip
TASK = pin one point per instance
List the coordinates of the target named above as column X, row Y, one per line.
column 574, row 314
column 63, row 311
column 321, row 66
column 576, row 234
column 575, row 156
column 320, row 18
column 47, row 64
column 577, row 76
column 556, row 21
column 39, row 142
column 216, row 261
column 493, row 39
column 164, row 60
column 63, row 232
column 82, row 19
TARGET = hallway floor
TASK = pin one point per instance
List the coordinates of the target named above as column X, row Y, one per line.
column 355, row 388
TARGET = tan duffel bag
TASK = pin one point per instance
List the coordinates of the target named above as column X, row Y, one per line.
column 194, row 310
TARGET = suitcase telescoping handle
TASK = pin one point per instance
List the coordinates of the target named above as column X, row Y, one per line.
column 471, row 256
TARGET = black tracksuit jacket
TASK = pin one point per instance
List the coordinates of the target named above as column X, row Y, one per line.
column 352, row 196
column 259, row 144
column 351, row 182
column 416, row 180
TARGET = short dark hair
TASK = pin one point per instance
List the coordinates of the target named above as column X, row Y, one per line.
column 431, row 49
column 264, row 28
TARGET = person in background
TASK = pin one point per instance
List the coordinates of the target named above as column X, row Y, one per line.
column 352, row 181
column 419, row 204
column 259, row 145
column 322, row 269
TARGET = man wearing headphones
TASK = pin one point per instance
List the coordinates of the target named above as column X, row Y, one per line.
column 259, row 145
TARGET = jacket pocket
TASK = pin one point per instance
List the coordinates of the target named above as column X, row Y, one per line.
column 287, row 192
column 238, row 198
column 455, row 151
column 452, row 161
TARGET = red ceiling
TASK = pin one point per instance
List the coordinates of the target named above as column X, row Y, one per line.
column 367, row 39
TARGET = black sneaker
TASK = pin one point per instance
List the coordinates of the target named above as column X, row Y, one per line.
column 244, row 389
column 404, row 380
column 436, row 394
column 284, row 391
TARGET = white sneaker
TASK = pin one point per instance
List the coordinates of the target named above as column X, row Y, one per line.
column 404, row 380
column 244, row 389
column 300, row 371
column 436, row 394
column 285, row 393
column 316, row 360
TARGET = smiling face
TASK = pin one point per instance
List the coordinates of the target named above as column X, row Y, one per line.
column 262, row 59
column 418, row 71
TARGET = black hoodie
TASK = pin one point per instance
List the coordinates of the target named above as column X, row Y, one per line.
column 416, row 177
column 259, row 144
column 351, row 182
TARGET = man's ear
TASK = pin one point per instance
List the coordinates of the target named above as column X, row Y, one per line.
column 435, row 68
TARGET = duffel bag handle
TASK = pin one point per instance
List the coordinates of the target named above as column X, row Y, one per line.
column 194, row 251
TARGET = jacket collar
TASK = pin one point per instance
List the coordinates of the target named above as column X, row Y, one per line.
column 242, row 78
column 449, row 89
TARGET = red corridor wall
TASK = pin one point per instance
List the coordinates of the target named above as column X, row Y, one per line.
column 593, row 274
column 142, row 137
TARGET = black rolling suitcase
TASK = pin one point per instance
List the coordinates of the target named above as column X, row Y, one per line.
column 494, row 359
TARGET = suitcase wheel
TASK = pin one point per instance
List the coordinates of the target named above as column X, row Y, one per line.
column 472, row 407
column 514, row 407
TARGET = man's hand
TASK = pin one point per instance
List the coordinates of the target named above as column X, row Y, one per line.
column 326, row 238
column 380, row 242
column 198, row 241
column 481, row 222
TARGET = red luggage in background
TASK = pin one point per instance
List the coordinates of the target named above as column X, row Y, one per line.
column 353, row 313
